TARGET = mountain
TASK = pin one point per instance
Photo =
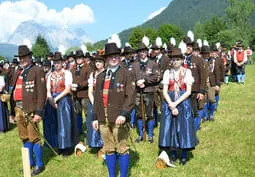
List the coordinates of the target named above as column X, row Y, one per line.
column 8, row 50
column 185, row 13
column 55, row 36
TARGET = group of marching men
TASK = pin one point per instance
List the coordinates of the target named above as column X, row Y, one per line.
column 118, row 89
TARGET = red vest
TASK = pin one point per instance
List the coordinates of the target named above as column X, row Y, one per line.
column 107, row 82
column 240, row 56
column 18, row 89
column 57, row 85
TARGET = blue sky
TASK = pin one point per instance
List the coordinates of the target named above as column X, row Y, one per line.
column 105, row 17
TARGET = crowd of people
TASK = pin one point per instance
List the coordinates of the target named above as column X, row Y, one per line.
column 114, row 90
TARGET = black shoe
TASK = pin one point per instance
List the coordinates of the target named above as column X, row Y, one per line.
column 37, row 170
column 139, row 139
column 173, row 159
column 150, row 139
column 183, row 161
column 22, row 171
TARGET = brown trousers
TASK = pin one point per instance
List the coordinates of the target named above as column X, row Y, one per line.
column 26, row 129
column 115, row 138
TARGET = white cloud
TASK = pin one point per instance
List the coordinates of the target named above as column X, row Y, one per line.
column 13, row 13
column 155, row 13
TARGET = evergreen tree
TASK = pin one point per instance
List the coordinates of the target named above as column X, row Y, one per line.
column 40, row 48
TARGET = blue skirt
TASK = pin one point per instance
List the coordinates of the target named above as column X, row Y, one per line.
column 4, row 117
column 63, row 131
column 177, row 131
column 93, row 137
column 50, row 125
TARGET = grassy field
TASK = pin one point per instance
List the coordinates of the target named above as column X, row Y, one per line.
column 227, row 145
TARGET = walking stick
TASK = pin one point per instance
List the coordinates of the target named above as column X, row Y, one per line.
column 38, row 131
column 143, row 116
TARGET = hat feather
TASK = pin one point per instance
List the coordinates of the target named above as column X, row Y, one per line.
column 28, row 43
column 62, row 49
column 158, row 41
column 115, row 39
column 146, row 41
column 84, row 48
column 199, row 41
column 190, row 34
column 173, row 41
column 182, row 46
column 127, row 44
column 218, row 45
column 205, row 43
column 165, row 46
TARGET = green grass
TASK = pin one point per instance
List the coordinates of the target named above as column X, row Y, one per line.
column 227, row 146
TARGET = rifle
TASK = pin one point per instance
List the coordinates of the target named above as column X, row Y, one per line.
column 27, row 117
column 143, row 115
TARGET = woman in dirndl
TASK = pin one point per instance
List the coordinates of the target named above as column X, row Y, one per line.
column 177, row 131
column 93, row 137
column 4, row 113
column 60, row 129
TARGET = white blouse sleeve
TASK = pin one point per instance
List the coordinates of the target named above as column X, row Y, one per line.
column 48, row 82
column 2, row 82
column 188, row 78
column 166, row 76
column 68, row 78
column 90, row 80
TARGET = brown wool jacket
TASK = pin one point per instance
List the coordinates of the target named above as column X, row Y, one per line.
column 198, row 72
column 163, row 64
column 33, row 90
column 120, row 101
column 214, row 77
column 81, row 78
column 151, row 75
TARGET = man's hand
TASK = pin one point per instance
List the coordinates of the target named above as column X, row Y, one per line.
column 120, row 120
column 95, row 124
column 200, row 96
column 74, row 87
column 217, row 88
column 12, row 120
column 140, row 82
column 37, row 118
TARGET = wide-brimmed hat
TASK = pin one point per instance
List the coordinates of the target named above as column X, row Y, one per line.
column 79, row 149
column 214, row 48
column 196, row 46
column 46, row 63
column 205, row 50
column 99, row 57
column 163, row 161
column 127, row 50
column 111, row 49
column 23, row 51
column 57, row 56
column 71, row 54
column 175, row 53
column 79, row 54
column 50, row 54
column 188, row 41
column 155, row 47
column 15, row 61
column 87, row 55
column 141, row 47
